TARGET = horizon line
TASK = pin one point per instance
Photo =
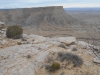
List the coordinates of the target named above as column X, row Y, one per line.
column 46, row 6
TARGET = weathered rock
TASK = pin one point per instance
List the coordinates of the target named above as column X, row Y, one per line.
column 36, row 38
column 26, row 59
column 87, row 63
column 97, row 60
column 3, row 29
column 67, row 40
column 1, row 32
column 17, row 63
column 97, row 72
column 4, row 42
column 83, row 44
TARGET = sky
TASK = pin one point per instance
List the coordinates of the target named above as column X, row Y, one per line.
column 43, row 3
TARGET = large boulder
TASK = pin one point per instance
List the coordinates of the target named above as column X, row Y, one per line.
column 34, row 38
column 83, row 44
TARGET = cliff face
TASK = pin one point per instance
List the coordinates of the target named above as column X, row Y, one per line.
column 38, row 17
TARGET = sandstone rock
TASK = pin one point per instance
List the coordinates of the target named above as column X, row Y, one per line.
column 36, row 38
column 17, row 62
column 97, row 72
column 3, row 29
column 54, row 16
column 26, row 59
column 13, row 44
column 69, row 50
column 4, row 42
column 90, row 52
column 67, row 40
column 87, row 63
column 1, row 32
column 97, row 60
column 83, row 44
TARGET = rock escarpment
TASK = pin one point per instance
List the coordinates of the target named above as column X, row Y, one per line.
column 42, row 17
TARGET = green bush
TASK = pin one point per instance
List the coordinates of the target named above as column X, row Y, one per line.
column 14, row 32
column 55, row 66
column 19, row 43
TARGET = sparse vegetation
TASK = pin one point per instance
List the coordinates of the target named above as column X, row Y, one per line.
column 75, row 59
column 14, row 32
column 55, row 66
column 19, row 43
column 62, row 46
column 74, row 49
column 28, row 56
column 62, row 60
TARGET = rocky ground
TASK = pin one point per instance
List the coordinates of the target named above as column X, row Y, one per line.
column 32, row 54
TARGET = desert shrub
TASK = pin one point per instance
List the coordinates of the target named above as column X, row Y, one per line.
column 62, row 46
column 19, row 43
column 23, row 39
column 74, row 49
column 60, row 54
column 75, row 59
column 55, row 66
column 14, row 32
column 28, row 56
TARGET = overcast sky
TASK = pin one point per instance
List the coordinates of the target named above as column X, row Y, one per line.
column 39, row 3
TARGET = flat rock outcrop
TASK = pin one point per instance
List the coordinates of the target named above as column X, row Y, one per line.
column 31, row 58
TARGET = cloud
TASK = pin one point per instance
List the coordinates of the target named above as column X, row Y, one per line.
column 81, row 5
column 39, row 3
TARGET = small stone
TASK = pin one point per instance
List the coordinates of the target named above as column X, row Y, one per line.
column 69, row 50
column 87, row 63
column 83, row 44
column 13, row 44
column 3, row 29
column 4, row 42
column 1, row 32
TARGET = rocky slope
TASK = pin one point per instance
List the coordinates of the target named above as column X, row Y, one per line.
column 43, row 17
column 31, row 56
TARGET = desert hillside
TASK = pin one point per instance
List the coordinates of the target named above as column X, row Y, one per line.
column 40, row 18
column 45, row 21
